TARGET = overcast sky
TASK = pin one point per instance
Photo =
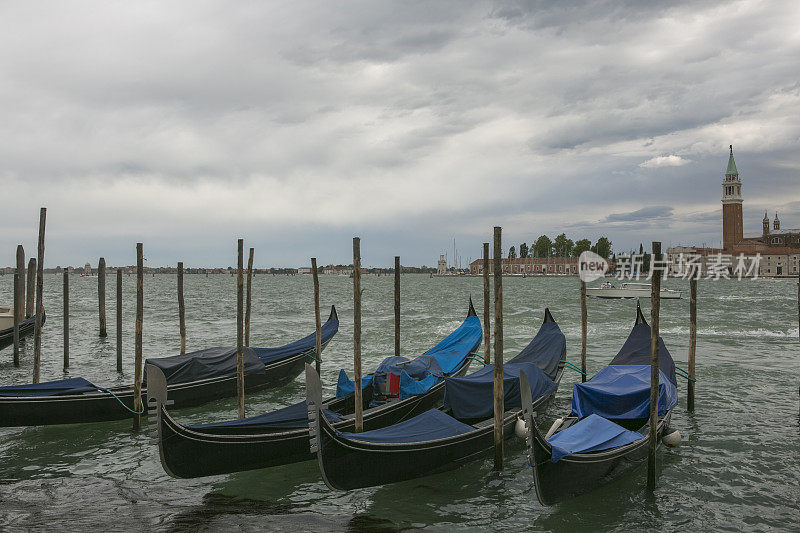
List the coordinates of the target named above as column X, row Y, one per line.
column 298, row 125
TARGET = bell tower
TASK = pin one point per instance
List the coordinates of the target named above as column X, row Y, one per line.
column 732, row 231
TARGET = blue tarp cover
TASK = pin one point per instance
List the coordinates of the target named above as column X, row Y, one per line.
column 451, row 352
column 592, row 434
column 473, row 396
column 430, row 425
column 204, row 364
column 306, row 344
column 427, row 369
column 292, row 417
column 546, row 349
column 49, row 388
column 345, row 386
column 636, row 350
column 622, row 392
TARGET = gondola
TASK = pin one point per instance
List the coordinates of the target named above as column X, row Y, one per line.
column 26, row 328
column 281, row 437
column 436, row 440
column 607, row 431
column 193, row 379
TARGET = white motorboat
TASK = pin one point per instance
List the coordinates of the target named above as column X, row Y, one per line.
column 629, row 290
column 6, row 317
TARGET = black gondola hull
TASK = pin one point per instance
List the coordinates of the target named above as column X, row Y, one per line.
column 186, row 453
column 26, row 327
column 102, row 406
column 582, row 473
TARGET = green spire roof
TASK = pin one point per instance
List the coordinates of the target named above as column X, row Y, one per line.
column 731, row 164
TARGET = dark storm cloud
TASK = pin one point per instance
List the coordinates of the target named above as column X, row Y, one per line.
column 188, row 124
column 645, row 213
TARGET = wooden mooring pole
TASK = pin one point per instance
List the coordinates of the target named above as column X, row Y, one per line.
column 499, row 407
column 487, row 312
column 692, row 341
column 181, row 309
column 583, row 331
column 37, row 331
column 66, row 318
column 317, row 318
column 359, row 422
column 119, row 319
column 397, row 306
column 101, row 295
column 240, row 328
column 655, row 299
column 137, row 380
column 248, row 299
column 30, row 292
column 19, row 299
column 22, row 288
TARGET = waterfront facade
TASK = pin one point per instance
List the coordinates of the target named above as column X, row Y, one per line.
column 531, row 266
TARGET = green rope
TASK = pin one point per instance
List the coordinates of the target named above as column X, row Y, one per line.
column 683, row 373
column 562, row 364
column 478, row 359
column 122, row 403
column 311, row 357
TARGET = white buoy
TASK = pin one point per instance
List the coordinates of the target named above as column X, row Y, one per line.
column 673, row 439
column 520, row 429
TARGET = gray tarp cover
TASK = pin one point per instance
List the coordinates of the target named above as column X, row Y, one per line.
column 204, row 364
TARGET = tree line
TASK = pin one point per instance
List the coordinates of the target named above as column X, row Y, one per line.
column 561, row 246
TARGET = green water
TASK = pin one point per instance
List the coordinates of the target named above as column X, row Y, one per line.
column 737, row 468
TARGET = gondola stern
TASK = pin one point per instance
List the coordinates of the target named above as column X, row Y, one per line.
column 640, row 319
column 316, row 419
column 538, row 449
column 548, row 317
column 471, row 311
column 334, row 315
column 156, row 402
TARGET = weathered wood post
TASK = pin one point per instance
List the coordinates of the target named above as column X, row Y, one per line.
column 359, row 422
column 249, row 296
column 240, row 328
column 655, row 298
column 181, row 309
column 37, row 331
column 30, row 293
column 66, row 318
column 101, row 295
column 137, row 380
column 692, row 341
column 21, row 271
column 487, row 312
column 499, row 407
column 583, row 331
column 119, row 320
column 397, row 306
column 317, row 318
column 19, row 299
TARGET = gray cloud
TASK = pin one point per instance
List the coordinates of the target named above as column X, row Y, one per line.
column 645, row 213
column 187, row 124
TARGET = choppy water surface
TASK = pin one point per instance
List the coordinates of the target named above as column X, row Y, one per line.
column 737, row 468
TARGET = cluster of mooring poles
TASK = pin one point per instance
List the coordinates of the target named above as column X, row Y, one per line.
column 25, row 298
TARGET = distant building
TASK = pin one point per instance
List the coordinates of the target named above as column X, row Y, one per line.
column 543, row 266
column 779, row 248
column 441, row 266
column 304, row 270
